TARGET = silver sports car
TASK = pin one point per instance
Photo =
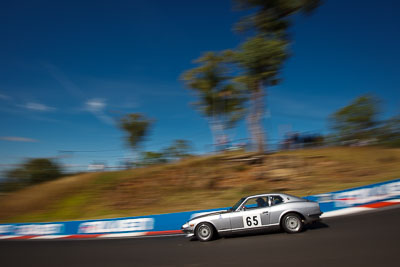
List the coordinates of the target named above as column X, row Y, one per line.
column 253, row 213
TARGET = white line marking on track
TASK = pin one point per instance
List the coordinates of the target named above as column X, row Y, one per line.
column 392, row 200
column 121, row 235
column 345, row 211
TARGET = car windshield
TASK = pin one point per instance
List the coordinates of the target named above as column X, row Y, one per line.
column 237, row 204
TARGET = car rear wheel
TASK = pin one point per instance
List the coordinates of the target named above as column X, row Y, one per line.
column 204, row 232
column 292, row 223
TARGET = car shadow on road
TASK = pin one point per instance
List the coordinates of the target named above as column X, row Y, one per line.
column 273, row 231
column 316, row 225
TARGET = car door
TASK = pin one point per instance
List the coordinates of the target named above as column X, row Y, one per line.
column 277, row 206
column 250, row 216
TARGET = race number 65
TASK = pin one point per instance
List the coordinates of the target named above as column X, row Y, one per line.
column 251, row 220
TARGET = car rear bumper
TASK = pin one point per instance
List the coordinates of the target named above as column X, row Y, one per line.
column 314, row 217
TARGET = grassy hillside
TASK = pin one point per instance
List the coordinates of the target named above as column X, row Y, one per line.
column 199, row 183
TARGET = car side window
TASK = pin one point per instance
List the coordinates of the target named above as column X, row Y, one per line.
column 255, row 203
column 275, row 200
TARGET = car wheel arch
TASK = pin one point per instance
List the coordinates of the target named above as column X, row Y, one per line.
column 213, row 226
column 214, row 232
column 290, row 211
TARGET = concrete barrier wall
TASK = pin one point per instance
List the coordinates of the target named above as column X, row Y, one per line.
column 171, row 223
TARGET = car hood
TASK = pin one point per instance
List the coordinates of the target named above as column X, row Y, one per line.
column 205, row 214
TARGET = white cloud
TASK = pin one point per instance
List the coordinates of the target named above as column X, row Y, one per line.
column 37, row 107
column 96, row 105
column 5, row 97
column 17, row 139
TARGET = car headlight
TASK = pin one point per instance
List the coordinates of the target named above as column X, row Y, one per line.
column 188, row 225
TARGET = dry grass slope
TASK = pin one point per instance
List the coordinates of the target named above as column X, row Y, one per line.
column 199, row 183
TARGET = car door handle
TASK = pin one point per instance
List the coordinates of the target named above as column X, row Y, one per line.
column 265, row 212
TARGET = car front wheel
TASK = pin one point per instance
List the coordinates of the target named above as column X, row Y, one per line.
column 292, row 223
column 204, row 232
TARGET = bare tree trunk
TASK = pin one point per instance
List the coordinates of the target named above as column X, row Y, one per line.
column 213, row 133
column 255, row 118
column 216, row 130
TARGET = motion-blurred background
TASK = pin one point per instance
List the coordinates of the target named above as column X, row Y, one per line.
column 123, row 108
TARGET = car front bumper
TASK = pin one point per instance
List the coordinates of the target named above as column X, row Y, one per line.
column 188, row 230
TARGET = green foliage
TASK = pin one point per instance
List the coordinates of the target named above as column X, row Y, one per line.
column 358, row 120
column 14, row 179
column 272, row 17
column 178, row 149
column 137, row 127
column 33, row 171
column 149, row 158
column 219, row 98
column 260, row 60
column 389, row 132
column 41, row 170
column 261, row 57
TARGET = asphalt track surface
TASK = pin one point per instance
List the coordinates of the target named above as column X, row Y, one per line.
column 366, row 239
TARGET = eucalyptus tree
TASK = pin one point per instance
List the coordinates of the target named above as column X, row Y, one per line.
column 219, row 98
column 272, row 17
column 358, row 120
column 179, row 149
column 136, row 125
column 260, row 60
column 262, row 55
column 389, row 132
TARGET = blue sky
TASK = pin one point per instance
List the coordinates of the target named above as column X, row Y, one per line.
column 70, row 68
